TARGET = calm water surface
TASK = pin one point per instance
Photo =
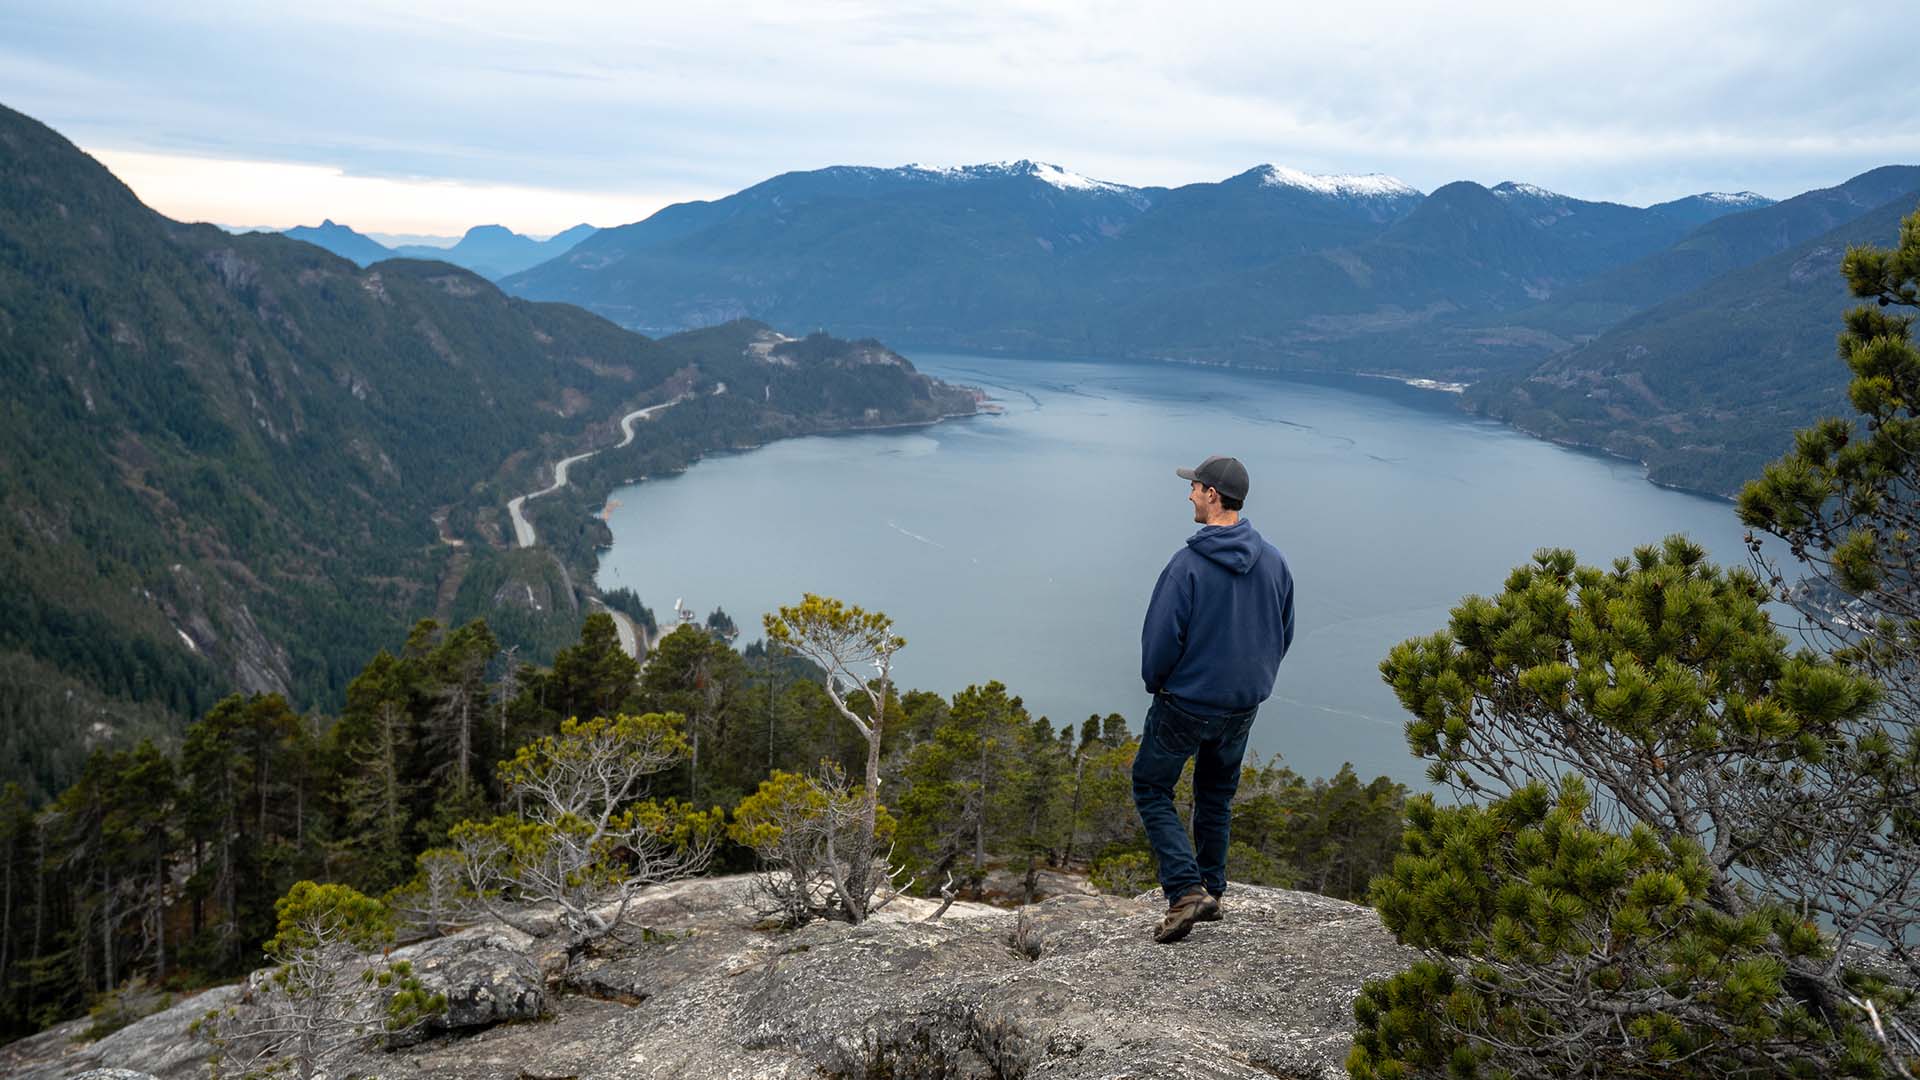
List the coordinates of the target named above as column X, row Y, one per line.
column 1022, row 547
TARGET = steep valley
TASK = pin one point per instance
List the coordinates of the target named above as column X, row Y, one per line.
column 236, row 462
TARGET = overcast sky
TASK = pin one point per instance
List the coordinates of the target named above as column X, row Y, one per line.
column 427, row 117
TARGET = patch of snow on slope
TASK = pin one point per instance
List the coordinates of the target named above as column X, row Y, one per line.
column 1512, row 188
column 1064, row 179
column 939, row 172
column 1735, row 198
column 1371, row 185
column 1070, row 181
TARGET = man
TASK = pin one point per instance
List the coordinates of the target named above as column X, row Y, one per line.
column 1220, row 619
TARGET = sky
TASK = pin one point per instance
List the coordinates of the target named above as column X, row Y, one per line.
column 428, row 117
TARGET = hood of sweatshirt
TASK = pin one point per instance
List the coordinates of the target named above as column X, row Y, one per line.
column 1236, row 547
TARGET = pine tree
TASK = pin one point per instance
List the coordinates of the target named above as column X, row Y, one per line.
column 238, row 763
column 376, row 741
column 1100, row 814
column 1846, row 502
column 18, row 875
column 695, row 674
column 797, row 826
column 1638, row 737
column 322, row 996
column 1036, row 796
column 584, row 842
column 83, row 866
column 141, row 828
column 955, row 803
column 595, row 677
column 457, row 685
column 842, row 639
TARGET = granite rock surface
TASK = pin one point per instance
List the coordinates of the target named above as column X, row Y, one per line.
column 699, row 988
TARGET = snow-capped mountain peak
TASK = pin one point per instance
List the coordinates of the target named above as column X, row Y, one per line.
column 1053, row 175
column 1735, row 198
column 1370, row 185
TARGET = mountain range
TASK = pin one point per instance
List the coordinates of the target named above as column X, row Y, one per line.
column 492, row 251
column 1564, row 313
column 243, row 462
column 1536, row 297
column 1026, row 255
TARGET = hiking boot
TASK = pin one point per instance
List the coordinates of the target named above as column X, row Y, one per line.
column 1215, row 913
column 1193, row 906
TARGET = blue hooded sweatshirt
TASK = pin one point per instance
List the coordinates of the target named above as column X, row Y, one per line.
column 1220, row 619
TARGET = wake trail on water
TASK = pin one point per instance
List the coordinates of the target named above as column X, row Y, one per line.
column 1073, row 389
column 915, row 536
column 1344, row 442
column 1349, row 713
column 980, row 376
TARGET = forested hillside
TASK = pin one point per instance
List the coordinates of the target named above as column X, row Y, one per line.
column 1703, row 386
column 240, row 462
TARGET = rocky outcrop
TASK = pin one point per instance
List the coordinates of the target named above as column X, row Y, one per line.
column 157, row 1044
column 488, row 976
column 1266, row 992
column 1072, row 987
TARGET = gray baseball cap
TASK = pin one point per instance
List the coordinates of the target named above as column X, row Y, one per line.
column 1223, row 474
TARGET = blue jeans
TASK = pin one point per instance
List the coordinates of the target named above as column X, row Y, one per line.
column 1216, row 746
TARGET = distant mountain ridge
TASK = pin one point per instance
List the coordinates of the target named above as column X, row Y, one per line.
column 1030, row 255
column 342, row 241
column 1697, row 210
column 492, row 251
column 1724, row 243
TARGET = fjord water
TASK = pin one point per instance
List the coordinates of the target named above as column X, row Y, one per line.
column 1023, row 546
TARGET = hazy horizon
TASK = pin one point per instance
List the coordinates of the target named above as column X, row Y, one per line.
column 392, row 239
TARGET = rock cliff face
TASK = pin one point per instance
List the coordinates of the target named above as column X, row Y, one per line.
column 1071, row 987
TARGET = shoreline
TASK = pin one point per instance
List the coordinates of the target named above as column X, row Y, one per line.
column 1437, row 385
column 1437, row 392
column 858, row 429
column 1597, row 450
column 524, row 534
column 827, row 433
column 632, row 638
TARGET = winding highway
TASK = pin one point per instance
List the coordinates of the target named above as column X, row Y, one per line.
column 628, row 630
column 523, row 533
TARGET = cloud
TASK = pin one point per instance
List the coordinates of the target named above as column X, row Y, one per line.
column 271, row 194
column 1635, row 100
